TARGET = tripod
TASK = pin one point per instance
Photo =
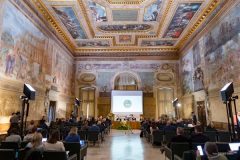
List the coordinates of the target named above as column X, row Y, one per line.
column 25, row 109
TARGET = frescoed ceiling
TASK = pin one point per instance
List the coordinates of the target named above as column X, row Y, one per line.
column 115, row 28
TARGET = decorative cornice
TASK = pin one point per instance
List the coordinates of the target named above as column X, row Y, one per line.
column 125, row 1
column 44, row 11
column 207, row 11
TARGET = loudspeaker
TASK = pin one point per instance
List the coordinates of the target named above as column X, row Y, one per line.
column 227, row 91
column 29, row 91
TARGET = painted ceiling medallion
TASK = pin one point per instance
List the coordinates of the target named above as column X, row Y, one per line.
column 128, row 27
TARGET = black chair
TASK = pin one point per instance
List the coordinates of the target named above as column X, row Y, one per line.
column 7, row 154
column 187, row 155
column 58, row 155
column 82, row 134
column 223, row 147
column 31, row 154
column 212, row 135
column 157, row 137
column 24, row 144
column 94, row 136
column 176, row 149
column 76, row 148
column 224, row 136
column 168, row 135
column 9, row 145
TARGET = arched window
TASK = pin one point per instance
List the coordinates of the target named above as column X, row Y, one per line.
column 125, row 81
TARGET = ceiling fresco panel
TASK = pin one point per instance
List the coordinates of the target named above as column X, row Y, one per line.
column 98, row 11
column 126, row 28
column 70, row 21
column 99, row 43
column 151, row 12
column 158, row 43
column 181, row 19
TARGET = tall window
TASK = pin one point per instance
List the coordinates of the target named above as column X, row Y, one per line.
column 165, row 97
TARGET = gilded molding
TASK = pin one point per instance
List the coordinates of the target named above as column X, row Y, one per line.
column 85, row 15
column 44, row 11
column 207, row 11
column 125, row 2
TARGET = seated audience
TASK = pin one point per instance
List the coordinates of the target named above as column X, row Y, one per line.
column 53, row 142
column 13, row 136
column 73, row 135
column 198, row 136
column 211, row 151
column 169, row 127
column 30, row 135
column 31, row 126
column 36, row 142
column 94, row 127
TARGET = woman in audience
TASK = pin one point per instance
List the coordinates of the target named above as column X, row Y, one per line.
column 13, row 136
column 73, row 135
column 36, row 142
column 211, row 151
column 30, row 135
column 53, row 142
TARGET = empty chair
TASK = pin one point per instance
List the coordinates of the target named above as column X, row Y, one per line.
column 58, row 155
column 224, row 136
column 176, row 149
column 7, row 154
column 31, row 154
column 223, row 147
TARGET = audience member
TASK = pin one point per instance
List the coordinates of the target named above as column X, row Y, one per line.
column 180, row 136
column 13, row 136
column 211, row 151
column 73, row 135
column 31, row 126
column 198, row 136
column 53, row 142
column 94, row 127
column 30, row 135
column 36, row 142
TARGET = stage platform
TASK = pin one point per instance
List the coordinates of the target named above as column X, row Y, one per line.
column 133, row 124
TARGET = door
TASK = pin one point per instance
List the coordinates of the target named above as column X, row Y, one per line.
column 52, row 111
column 202, row 113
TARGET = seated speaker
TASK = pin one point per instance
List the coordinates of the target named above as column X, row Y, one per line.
column 227, row 91
column 29, row 91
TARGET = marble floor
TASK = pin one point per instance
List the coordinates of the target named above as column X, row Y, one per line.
column 121, row 146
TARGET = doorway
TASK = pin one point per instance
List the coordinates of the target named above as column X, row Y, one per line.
column 52, row 111
column 201, row 113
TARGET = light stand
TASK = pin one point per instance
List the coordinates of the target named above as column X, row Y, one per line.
column 29, row 92
column 234, row 98
column 226, row 94
column 176, row 104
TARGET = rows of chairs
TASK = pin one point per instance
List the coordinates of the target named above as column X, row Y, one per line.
column 160, row 136
column 13, row 150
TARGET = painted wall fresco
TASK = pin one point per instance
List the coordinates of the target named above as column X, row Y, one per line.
column 28, row 55
column 128, row 27
column 125, row 38
column 98, row 12
column 181, row 19
column 102, row 43
column 158, row 43
column 70, row 21
column 151, row 13
column 186, row 73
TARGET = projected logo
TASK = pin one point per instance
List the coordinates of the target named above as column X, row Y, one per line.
column 127, row 103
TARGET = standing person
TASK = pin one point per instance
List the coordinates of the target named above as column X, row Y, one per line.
column 194, row 119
